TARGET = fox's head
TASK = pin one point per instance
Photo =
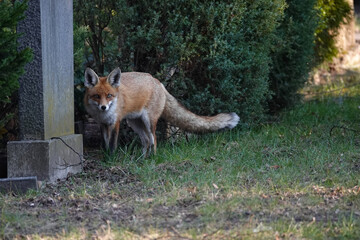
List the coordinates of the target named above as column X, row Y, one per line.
column 101, row 91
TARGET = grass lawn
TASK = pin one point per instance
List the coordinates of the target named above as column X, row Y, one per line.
column 296, row 177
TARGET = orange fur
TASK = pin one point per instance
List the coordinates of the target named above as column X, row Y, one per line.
column 141, row 100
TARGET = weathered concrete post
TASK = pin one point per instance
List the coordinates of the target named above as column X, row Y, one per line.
column 46, row 104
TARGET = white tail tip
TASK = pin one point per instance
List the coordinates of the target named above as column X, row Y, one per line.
column 233, row 121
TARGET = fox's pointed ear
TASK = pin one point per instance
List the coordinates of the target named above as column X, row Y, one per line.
column 114, row 77
column 91, row 78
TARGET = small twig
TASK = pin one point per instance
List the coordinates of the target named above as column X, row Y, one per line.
column 170, row 73
column 67, row 165
column 342, row 127
column 176, row 133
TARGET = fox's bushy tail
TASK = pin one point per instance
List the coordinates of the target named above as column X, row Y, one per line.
column 180, row 117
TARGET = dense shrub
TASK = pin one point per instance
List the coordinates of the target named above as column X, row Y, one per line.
column 306, row 38
column 293, row 53
column 214, row 56
column 219, row 50
column 81, row 50
column 91, row 21
column 12, row 61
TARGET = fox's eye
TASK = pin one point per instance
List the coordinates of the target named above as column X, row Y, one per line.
column 97, row 96
column 109, row 95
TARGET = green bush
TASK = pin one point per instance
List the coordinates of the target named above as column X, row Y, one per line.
column 12, row 61
column 293, row 53
column 306, row 38
column 244, row 56
column 91, row 25
column 81, row 59
column 219, row 50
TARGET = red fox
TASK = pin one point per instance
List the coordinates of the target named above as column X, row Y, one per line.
column 141, row 99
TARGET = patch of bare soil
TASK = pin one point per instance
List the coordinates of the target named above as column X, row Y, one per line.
column 347, row 65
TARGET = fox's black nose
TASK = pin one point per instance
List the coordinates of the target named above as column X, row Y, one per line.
column 103, row 108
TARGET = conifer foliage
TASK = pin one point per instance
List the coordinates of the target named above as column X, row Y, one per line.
column 12, row 61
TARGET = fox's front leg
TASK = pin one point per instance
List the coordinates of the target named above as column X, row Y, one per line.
column 114, row 136
column 110, row 135
column 105, row 132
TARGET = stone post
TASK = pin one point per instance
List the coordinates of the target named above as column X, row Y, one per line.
column 47, row 143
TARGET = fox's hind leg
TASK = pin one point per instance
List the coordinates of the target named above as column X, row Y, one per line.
column 138, row 125
column 153, row 130
column 146, row 120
